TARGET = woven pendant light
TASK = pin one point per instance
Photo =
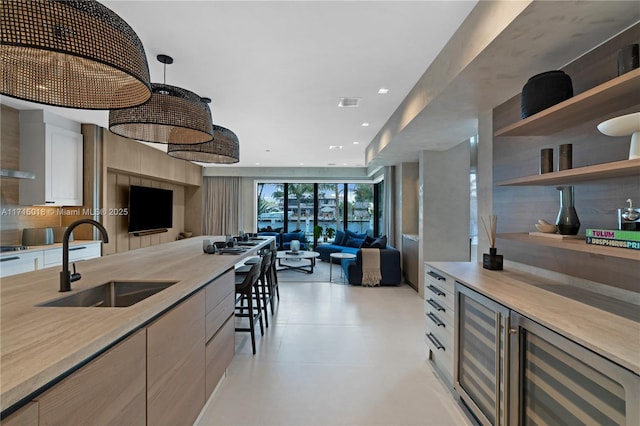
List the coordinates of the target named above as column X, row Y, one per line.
column 223, row 149
column 71, row 53
column 171, row 115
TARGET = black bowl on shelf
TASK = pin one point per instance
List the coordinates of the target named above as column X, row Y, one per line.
column 545, row 90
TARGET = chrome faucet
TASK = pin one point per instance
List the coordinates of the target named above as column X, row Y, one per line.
column 66, row 277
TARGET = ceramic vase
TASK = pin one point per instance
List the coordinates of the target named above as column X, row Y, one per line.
column 567, row 221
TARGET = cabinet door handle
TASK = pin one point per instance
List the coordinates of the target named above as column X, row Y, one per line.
column 49, row 202
column 435, row 319
column 435, row 342
column 435, row 290
column 6, row 259
column 77, row 248
column 436, row 276
column 436, row 305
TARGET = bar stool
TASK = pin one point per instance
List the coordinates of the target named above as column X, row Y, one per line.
column 263, row 289
column 274, row 290
column 246, row 285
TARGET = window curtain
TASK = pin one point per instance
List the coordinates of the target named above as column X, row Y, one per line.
column 222, row 205
column 389, row 219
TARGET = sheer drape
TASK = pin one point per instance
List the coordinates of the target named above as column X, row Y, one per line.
column 389, row 218
column 222, row 205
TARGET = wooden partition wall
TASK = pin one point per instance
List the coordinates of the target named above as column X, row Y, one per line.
column 596, row 199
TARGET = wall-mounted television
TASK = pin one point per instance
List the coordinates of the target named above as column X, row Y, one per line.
column 150, row 209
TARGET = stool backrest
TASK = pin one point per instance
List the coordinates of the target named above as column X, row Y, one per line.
column 251, row 278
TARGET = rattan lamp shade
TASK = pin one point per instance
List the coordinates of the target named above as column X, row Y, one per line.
column 223, row 149
column 172, row 115
column 71, row 53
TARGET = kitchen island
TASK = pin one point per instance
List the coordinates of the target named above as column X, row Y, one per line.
column 41, row 345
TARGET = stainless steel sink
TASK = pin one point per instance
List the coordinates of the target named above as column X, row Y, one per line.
column 114, row 294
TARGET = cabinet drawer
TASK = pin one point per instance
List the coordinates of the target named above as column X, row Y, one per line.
column 219, row 315
column 441, row 357
column 19, row 262
column 439, row 295
column 444, row 333
column 219, row 353
column 438, row 278
column 53, row 256
column 438, row 307
column 219, row 289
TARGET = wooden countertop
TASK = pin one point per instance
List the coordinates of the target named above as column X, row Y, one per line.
column 39, row 344
column 602, row 324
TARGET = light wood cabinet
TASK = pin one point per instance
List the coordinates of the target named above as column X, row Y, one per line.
column 220, row 328
column 25, row 416
column 439, row 320
column 219, row 353
column 55, row 155
column 109, row 390
column 176, row 364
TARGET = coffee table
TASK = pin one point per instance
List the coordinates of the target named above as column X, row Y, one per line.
column 339, row 256
column 299, row 256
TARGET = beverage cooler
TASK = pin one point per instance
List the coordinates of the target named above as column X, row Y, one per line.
column 510, row 370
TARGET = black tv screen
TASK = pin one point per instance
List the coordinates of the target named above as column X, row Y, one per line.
column 150, row 208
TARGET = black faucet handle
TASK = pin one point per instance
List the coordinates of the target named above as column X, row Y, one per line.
column 75, row 276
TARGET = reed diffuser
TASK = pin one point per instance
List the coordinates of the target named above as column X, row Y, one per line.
column 491, row 260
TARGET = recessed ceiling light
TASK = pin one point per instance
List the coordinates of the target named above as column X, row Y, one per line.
column 349, row 102
column 302, row 164
column 257, row 164
column 356, row 143
column 344, row 164
column 335, row 146
column 383, row 91
column 365, row 124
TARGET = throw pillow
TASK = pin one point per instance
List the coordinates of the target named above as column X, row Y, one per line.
column 340, row 238
column 367, row 242
column 380, row 242
column 354, row 242
column 355, row 235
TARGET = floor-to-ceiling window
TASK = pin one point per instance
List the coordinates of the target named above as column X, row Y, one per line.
column 291, row 206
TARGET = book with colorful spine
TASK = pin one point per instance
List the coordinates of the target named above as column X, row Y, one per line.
column 614, row 238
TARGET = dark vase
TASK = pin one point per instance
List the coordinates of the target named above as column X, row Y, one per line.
column 567, row 221
column 545, row 90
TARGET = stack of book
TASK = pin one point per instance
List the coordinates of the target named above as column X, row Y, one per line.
column 614, row 238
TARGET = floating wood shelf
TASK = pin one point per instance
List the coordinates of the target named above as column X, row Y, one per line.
column 616, row 94
column 581, row 174
column 576, row 245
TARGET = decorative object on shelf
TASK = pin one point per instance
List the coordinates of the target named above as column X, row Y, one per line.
column 546, row 160
column 543, row 91
column 628, row 58
column 624, row 125
column 567, row 221
column 171, row 115
column 223, row 149
column 629, row 218
column 546, row 227
column 565, row 156
column 491, row 260
column 74, row 54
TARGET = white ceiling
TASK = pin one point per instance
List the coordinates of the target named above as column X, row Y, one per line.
column 276, row 70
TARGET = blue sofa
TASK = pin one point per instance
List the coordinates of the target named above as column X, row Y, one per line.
column 283, row 239
column 350, row 242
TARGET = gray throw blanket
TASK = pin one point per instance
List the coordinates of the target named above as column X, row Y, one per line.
column 371, row 275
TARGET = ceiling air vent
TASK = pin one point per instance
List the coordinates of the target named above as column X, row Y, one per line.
column 349, row 102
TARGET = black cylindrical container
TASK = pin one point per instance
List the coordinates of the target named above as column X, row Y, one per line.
column 628, row 58
column 546, row 160
column 565, row 157
column 545, row 90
